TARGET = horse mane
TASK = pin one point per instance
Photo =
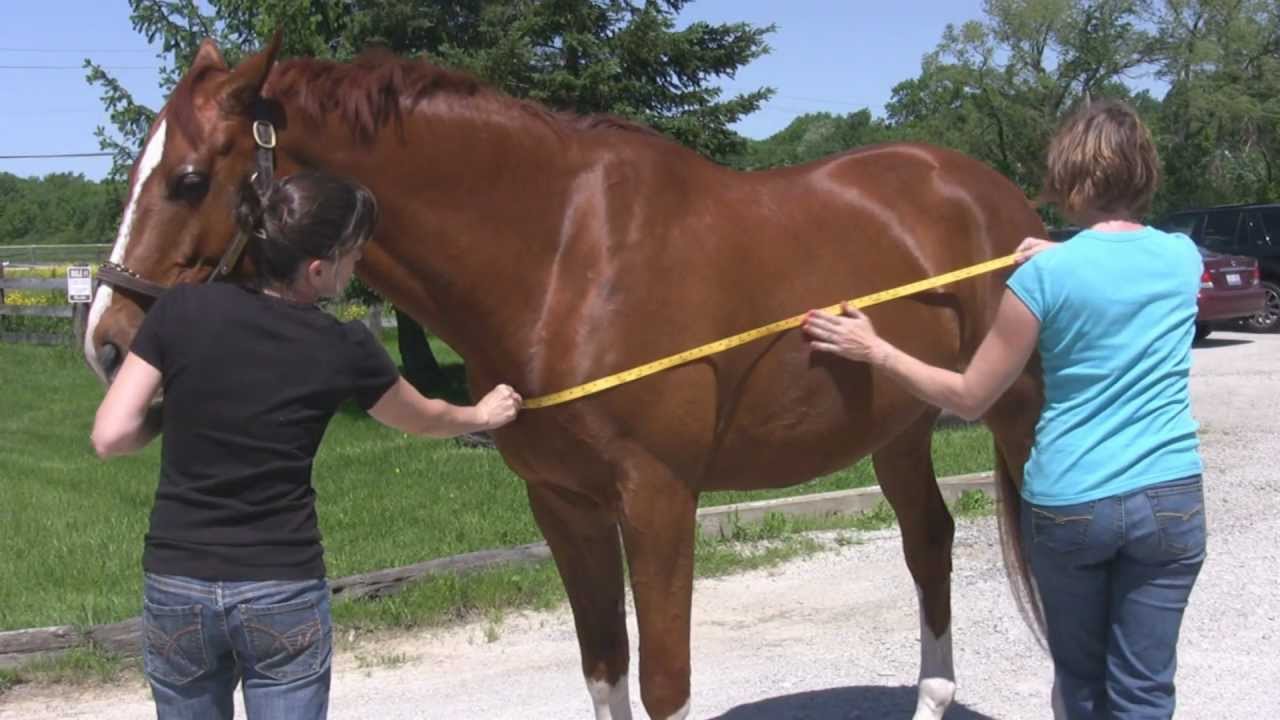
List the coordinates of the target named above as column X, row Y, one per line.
column 374, row 90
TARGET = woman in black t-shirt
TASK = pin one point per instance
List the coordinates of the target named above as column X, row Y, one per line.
column 234, row 584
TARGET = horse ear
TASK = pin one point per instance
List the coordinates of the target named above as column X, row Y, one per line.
column 208, row 57
column 241, row 89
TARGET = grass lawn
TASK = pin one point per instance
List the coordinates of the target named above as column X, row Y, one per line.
column 71, row 527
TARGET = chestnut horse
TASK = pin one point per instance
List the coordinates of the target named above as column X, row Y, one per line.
column 551, row 249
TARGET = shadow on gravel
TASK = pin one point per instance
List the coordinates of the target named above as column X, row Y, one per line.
column 847, row 703
column 1213, row 342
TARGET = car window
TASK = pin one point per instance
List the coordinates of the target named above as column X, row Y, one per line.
column 1271, row 228
column 1185, row 224
column 1220, row 230
column 1255, row 236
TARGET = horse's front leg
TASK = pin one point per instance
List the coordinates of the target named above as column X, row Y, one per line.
column 583, row 537
column 658, row 525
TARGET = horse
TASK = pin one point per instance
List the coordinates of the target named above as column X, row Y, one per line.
column 549, row 249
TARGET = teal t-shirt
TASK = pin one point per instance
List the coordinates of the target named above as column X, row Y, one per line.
column 1117, row 315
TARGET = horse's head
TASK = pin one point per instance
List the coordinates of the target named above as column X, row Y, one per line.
column 178, row 225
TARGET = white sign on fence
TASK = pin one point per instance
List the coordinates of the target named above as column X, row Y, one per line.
column 79, row 284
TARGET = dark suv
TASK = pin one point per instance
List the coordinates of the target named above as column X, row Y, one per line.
column 1248, row 230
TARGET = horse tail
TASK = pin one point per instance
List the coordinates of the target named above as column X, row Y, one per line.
column 1008, row 511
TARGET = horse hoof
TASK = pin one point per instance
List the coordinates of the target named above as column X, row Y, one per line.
column 936, row 695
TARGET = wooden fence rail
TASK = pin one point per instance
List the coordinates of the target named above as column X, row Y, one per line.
column 93, row 254
column 375, row 319
column 76, row 313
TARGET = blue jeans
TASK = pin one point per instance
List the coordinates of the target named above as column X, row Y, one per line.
column 201, row 637
column 1114, row 575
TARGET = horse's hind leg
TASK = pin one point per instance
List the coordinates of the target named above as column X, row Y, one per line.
column 583, row 536
column 904, row 469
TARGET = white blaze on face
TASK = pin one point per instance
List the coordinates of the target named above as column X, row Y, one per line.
column 151, row 156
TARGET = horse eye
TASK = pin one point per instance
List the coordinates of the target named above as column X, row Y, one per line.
column 191, row 185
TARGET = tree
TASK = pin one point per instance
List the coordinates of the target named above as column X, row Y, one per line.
column 617, row 56
column 812, row 136
column 996, row 88
column 60, row 208
column 1219, row 125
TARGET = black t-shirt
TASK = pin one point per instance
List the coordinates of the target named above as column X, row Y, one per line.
column 250, row 383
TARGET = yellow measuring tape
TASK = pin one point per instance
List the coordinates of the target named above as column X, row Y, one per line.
column 712, row 348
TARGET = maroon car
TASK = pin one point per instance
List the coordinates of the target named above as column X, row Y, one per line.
column 1230, row 289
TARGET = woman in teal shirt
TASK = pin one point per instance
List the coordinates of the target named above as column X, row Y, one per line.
column 1113, row 510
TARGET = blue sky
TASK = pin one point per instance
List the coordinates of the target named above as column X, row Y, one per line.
column 828, row 55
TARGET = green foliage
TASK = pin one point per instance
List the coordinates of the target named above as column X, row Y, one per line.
column 973, row 503
column 60, row 208
column 586, row 56
column 813, row 136
column 1219, row 125
column 996, row 88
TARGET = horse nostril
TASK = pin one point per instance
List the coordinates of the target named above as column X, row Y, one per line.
column 109, row 357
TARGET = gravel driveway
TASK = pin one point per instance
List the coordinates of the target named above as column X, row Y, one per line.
column 834, row 636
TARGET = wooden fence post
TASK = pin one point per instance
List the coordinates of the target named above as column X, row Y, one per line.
column 374, row 320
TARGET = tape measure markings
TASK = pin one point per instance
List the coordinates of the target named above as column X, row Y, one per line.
column 718, row 346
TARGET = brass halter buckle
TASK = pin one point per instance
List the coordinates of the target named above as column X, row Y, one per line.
column 264, row 133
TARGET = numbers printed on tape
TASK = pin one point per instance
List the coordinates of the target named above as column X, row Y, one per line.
column 718, row 346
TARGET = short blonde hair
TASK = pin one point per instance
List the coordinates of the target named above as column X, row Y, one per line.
column 1102, row 159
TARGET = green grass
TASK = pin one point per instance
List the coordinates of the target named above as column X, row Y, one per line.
column 71, row 527
column 81, row 666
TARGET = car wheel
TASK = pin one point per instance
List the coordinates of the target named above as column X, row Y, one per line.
column 1202, row 331
column 1269, row 319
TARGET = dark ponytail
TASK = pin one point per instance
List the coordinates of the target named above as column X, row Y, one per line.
column 303, row 217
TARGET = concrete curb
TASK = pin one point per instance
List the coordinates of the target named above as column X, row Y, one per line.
column 719, row 521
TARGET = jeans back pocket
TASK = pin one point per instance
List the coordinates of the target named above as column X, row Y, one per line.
column 288, row 640
column 1061, row 529
column 1179, row 515
column 173, row 642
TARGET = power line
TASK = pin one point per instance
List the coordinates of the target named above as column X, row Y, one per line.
column 55, row 50
column 42, row 156
column 77, row 67
column 53, row 111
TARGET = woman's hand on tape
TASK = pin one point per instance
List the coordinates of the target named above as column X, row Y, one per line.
column 850, row 335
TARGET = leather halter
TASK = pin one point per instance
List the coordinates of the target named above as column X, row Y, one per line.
column 264, row 136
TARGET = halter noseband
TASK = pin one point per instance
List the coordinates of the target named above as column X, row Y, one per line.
column 264, row 136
